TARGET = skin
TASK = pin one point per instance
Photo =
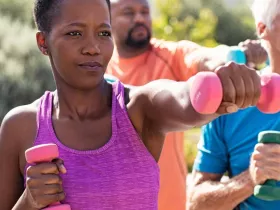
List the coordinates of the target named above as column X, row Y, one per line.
column 131, row 15
column 82, row 105
column 207, row 191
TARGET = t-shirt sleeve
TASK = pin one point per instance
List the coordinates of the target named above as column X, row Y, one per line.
column 185, row 60
column 212, row 154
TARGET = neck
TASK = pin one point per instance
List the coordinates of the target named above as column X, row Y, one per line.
column 129, row 52
column 80, row 105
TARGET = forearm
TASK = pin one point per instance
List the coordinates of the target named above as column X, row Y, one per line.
column 212, row 195
column 207, row 59
column 170, row 108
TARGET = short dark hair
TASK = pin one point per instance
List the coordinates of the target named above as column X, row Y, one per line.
column 46, row 10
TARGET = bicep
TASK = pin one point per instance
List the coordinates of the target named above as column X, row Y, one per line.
column 11, row 181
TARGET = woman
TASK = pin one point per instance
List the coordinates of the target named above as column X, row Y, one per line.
column 109, row 137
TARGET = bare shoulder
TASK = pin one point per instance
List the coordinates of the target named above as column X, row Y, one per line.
column 19, row 125
column 21, row 114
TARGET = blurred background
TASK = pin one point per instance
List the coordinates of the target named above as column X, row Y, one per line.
column 25, row 74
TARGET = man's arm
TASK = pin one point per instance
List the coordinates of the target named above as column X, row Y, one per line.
column 200, row 58
column 209, row 193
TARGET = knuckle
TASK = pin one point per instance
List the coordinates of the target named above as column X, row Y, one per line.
column 29, row 171
column 53, row 168
column 63, row 195
column 29, row 181
column 243, row 66
column 239, row 95
column 258, row 148
column 231, row 64
column 247, row 41
column 272, row 175
column 227, row 94
column 254, row 157
column 221, row 69
column 59, row 180
column 58, row 188
column 56, row 179
column 60, row 196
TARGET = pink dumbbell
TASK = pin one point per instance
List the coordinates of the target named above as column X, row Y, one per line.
column 45, row 153
column 206, row 93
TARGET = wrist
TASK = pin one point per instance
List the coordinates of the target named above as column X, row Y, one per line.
column 250, row 180
column 25, row 203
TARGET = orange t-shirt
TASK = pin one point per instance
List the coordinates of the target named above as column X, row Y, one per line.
column 164, row 60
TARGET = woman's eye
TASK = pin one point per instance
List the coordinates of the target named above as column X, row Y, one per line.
column 105, row 33
column 74, row 33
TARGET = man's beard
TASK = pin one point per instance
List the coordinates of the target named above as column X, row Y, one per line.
column 138, row 44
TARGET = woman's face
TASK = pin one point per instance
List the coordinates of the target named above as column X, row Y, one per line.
column 79, row 44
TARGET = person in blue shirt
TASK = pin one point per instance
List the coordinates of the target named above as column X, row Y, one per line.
column 229, row 144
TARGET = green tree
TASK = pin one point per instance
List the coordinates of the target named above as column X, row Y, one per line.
column 175, row 22
column 24, row 73
column 17, row 10
column 203, row 21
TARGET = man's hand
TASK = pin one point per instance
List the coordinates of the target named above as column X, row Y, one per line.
column 265, row 163
column 255, row 52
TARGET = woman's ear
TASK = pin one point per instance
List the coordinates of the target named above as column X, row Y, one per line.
column 42, row 42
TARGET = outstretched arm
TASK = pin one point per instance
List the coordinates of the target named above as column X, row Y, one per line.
column 208, row 59
column 166, row 104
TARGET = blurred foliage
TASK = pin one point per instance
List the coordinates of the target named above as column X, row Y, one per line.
column 18, row 10
column 206, row 22
column 24, row 73
column 190, row 147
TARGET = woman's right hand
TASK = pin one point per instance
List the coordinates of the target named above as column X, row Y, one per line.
column 44, row 185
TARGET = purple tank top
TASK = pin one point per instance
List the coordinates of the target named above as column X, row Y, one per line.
column 121, row 175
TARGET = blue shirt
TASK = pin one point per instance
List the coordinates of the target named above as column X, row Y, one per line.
column 227, row 143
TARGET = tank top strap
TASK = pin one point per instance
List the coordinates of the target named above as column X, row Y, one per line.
column 44, row 116
column 119, row 91
column 122, row 118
